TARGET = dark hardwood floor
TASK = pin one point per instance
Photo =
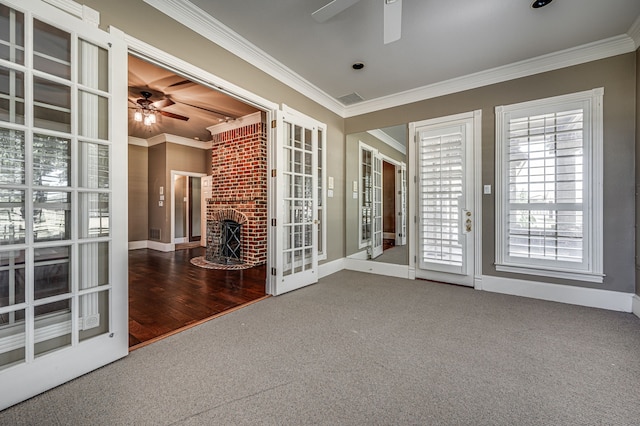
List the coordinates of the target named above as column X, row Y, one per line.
column 168, row 293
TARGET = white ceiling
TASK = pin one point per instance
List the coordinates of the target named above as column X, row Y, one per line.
column 441, row 40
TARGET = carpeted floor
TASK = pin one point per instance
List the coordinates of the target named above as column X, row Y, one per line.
column 360, row 349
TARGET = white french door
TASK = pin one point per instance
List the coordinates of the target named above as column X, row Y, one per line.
column 63, row 242
column 296, row 189
column 401, row 205
column 445, row 199
column 377, row 232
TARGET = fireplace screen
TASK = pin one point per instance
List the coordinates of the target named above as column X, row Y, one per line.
column 230, row 245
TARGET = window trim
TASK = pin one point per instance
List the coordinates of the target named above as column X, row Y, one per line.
column 591, row 269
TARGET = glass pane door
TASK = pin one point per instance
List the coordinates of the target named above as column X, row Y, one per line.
column 57, row 275
column 298, row 227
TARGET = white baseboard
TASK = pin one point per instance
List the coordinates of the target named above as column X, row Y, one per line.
column 329, row 268
column 361, row 255
column 635, row 305
column 372, row 267
column 165, row 247
column 153, row 245
column 136, row 245
column 594, row 298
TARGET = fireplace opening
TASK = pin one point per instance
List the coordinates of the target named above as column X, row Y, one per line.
column 230, row 241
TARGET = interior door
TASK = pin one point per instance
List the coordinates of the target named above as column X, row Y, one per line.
column 377, row 233
column 296, row 221
column 63, row 225
column 445, row 201
column 401, row 205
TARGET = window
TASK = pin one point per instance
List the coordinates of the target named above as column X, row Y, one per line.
column 549, row 187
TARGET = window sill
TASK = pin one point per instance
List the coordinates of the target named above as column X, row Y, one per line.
column 567, row 275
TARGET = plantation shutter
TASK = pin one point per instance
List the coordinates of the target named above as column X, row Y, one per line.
column 545, row 187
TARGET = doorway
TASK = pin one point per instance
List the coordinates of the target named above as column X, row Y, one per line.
column 188, row 213
column 447, row 206
column 168, row 292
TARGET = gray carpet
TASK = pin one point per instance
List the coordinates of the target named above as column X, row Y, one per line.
column 363, row 349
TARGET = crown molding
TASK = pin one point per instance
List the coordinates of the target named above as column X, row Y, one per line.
column 565, row 58
column 195, row 18
column 166, row 137
column 247, row 120
column 634, row 32
column 384, row 137
column 207, row 26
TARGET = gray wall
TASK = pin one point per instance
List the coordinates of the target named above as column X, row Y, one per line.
column 138, row 193
column 618, row 77
column 145, row 23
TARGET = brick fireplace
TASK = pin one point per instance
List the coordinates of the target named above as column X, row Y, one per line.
column 239, row 188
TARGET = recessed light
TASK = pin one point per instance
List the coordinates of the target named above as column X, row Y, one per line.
column 357, row 66
column 540, row 3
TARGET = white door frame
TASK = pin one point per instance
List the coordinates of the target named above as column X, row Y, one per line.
column 174, row 174
column 476, row 116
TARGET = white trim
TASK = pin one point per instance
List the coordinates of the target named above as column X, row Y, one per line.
column 591, row 267
column 594, row 298
column 635, row 305
column 634, row 32
column 164, row 247
column 384, row 137
column 136, row 245
column 360, row 255
column 207, row 26
column 378, row 268
column 138, row 142
column 87, row 14
column 247, row 120
column 169, row 138
column 328, row 268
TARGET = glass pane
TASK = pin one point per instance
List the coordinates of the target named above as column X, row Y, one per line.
column 11, row 35
column 52, row 50
column 93, row 66
column 93, row 115
column 287, row 264
column 94, row 165
column 12, row 224
column 11, row 156
column 94, row 265
column 51, row 215
column 52, row 105
column 11, row 96
column 11, row 277
column 94, row 314
column 51, row 272
column 51, row 160
column 93, row 215
column 12, row 327
column 52, row 326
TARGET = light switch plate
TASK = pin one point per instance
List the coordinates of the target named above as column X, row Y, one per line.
column 487, row 189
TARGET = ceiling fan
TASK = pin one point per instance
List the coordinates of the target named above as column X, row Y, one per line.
column 146, row 109
column 392, row 16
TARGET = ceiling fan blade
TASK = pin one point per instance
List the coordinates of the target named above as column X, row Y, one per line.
column 331, row 9
column 172, row 115
column 163, row 103
column 392, row 20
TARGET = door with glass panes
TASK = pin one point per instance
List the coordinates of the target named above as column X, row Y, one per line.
column 297, row 190
column 63, row 269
